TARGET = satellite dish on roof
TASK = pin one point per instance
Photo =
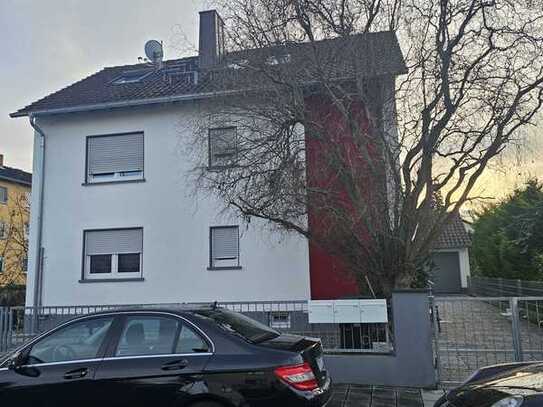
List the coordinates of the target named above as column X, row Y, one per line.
column 154, row 51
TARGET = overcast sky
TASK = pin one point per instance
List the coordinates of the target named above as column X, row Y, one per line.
column 47, row 45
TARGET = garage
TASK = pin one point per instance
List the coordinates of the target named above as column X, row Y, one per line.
column 450, row 269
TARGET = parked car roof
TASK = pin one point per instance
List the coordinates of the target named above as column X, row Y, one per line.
column 375, row 54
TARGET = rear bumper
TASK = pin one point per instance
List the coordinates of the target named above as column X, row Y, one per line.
column 322, row 396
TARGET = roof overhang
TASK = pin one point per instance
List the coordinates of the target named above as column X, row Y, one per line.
column 124, row 103
column 15, row 181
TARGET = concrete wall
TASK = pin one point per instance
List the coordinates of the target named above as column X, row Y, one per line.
column 175, row 222
column 412, row 361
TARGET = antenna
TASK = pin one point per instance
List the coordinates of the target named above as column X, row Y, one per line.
column 154, row 51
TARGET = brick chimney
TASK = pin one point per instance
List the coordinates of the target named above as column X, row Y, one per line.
column 211, row 42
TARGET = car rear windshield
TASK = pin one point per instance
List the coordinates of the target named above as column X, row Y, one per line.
column 239, row 324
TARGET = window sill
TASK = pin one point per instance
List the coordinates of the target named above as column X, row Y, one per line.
column 111, row 280
column 225, row 268
column 117, row 181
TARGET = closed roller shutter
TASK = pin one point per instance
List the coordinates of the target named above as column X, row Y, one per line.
column 112, row 154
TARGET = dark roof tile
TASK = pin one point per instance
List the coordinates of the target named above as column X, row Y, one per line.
column 374, row 53
column 454, row 235
column 15, row 175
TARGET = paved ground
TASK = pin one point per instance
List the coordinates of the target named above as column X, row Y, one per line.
column 477, row 333
column 375, row 396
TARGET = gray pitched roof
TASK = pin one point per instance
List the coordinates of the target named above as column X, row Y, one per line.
column 15, row 175
column 375, row 54
column 454, row 235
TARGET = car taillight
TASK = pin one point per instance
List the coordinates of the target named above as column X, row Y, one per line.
column 300, row 377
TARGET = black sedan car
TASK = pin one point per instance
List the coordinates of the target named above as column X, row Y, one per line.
column 507, row 385
column 208, row 357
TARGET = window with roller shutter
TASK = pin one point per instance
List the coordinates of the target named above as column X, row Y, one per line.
column 118, row 157
column 224, row 247
column 222, row 147
column 113, row 254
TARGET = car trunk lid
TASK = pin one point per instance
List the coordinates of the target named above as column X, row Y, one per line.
column 309, row 348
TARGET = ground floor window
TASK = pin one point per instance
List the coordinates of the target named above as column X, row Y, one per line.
column 113, row 253
column 280, row 320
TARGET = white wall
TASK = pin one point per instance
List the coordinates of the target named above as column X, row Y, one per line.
column 176, row 223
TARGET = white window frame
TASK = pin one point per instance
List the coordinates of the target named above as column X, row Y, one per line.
column 114, row 274
column 280, row 324
column 120, row 176
column 223, row 264
column 115, row 176
column 212, row 162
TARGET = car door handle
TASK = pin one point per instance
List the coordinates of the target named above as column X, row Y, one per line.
column 76, row 374
column 176, row 365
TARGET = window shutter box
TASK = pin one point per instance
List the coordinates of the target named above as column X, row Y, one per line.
column 113, row 241
column 225, row 243
column 118, row 153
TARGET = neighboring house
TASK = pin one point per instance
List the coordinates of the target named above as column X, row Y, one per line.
column 15, row 188
column 450, row 257
column 114, row 219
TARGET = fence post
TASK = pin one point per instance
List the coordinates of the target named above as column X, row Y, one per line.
column 435, row 334
column 2, row 329
column 515, row 319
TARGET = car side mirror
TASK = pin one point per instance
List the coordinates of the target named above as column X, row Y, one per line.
column 16, row 361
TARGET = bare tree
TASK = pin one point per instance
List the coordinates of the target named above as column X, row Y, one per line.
column 14, row 243
column 380, row 150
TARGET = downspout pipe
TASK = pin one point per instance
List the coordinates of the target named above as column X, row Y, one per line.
column 38, row 254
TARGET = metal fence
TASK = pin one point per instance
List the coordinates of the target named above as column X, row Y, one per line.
column 472, row 332
column 18, row 324
column 502, row 287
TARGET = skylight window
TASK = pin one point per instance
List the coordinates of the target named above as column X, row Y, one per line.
column 239, row 64
column 278, row 59
column 131, row 76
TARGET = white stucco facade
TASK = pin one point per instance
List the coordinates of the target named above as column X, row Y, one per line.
column 175, row 222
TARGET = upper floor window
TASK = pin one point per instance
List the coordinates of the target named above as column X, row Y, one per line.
column 222, row 147
column 113, row 253
column 3, row 195
column 1, row 264
column 3, row 230
column 115, row 157
column 224, row 250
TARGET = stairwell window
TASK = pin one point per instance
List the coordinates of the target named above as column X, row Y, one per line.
column 117, row 157
column 113, row 254
column 223, row 148
column 3, row 230
column 224, row 248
